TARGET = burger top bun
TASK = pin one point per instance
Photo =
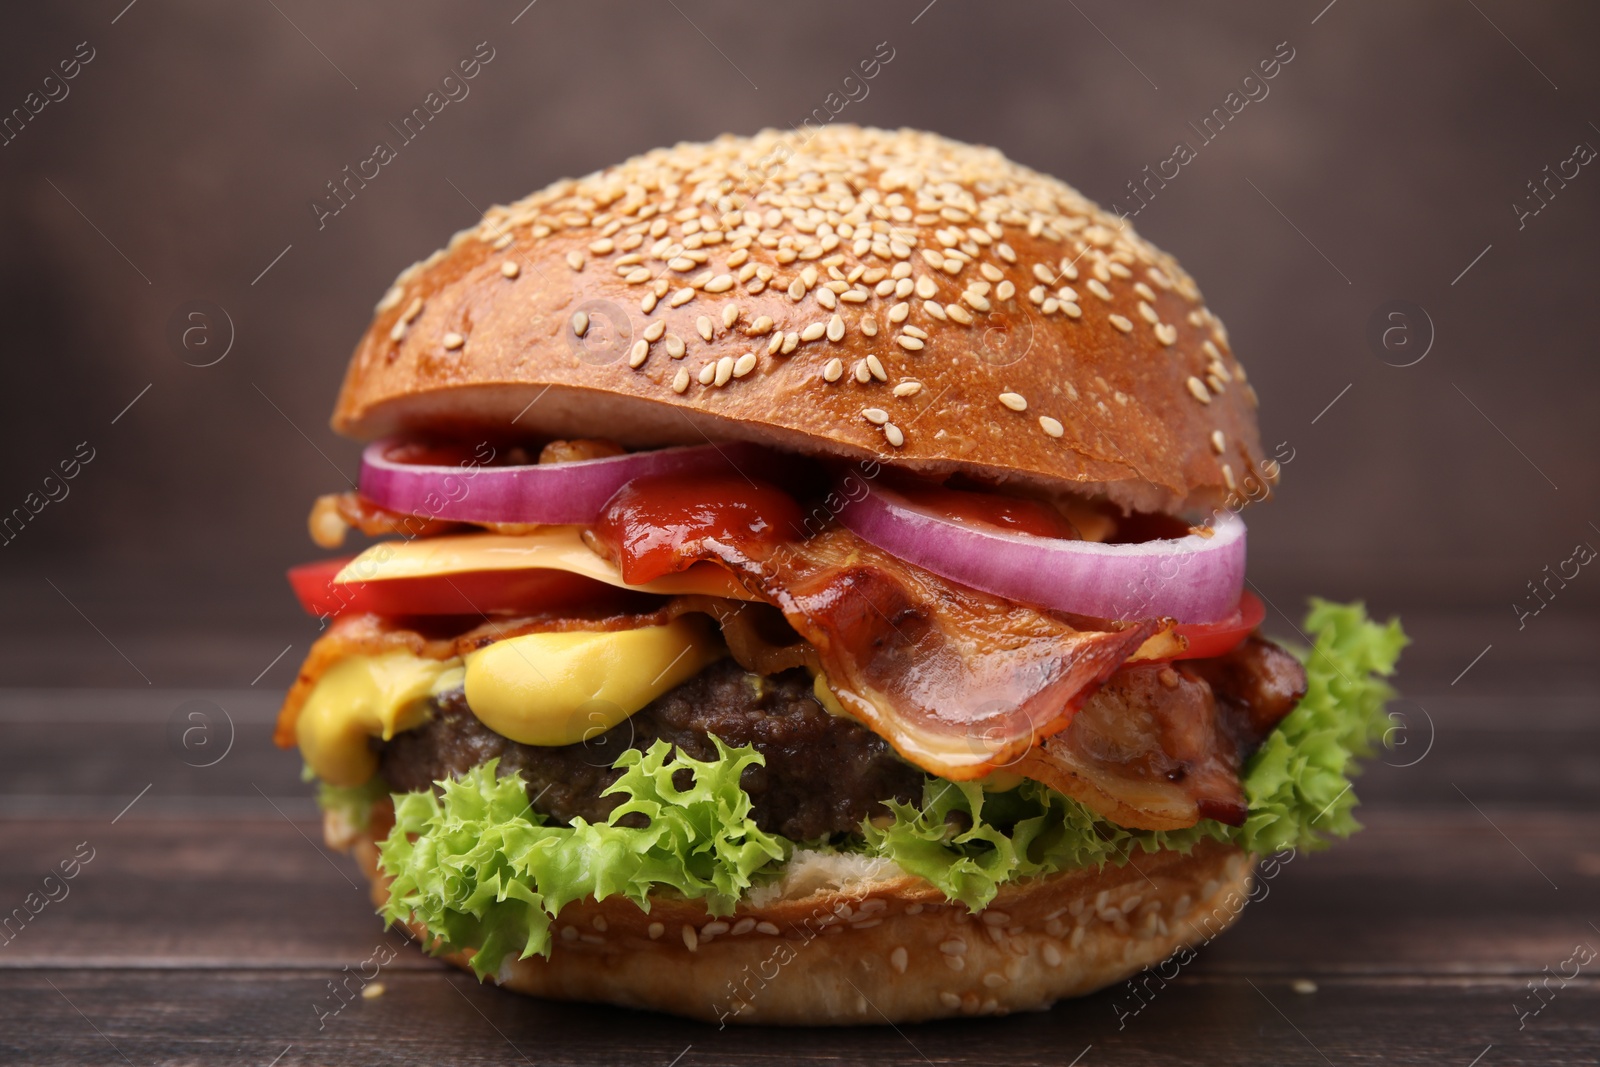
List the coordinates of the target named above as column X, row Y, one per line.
column 840, row 292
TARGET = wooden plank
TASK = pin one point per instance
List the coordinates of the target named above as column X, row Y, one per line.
column 244, row 1016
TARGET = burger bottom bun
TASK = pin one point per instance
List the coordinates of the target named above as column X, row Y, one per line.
column 851, row 941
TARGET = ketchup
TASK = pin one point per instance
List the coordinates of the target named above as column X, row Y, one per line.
column 655, row 525
column 1011, row 514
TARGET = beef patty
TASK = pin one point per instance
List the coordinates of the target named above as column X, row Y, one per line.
column 823, row 774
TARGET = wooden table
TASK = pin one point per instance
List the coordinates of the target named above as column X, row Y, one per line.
column 210, row 921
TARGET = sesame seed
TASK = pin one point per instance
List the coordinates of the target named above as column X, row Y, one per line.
column 1044, row 273
column 501, row 242
column 898, row 959
column 925, row 287
column 453, row 340
column 835, row 328
column 976, row 301
column 994, row 980
column 1067, row 294
column 876, row 416
column 813, row 331
column 875, row 365
column 737, row 257
column 1051, row 426
column 680, row 381
column 413, row 309
column 744, row 365
column 681, row 264
column 949, row 1000
column 580, row 323
column 397, row 332
column 762, row 325
column 1148, row 313
column 639, row 353
column 989, row 270
column 898, row 312
column 894, row 434
column 854, row 296
column 903, row 288
column 647, row 303
column 770, row 929
column 510, row 269
column 656, row 930
column 797, row 290
column 1051, row 305
column 1097, row 287
column 1218, row 442
column 681, row 297
column 724, row 371
column 916, row 331
column 775, row 343
column 1014, row 401
column 1037, row 294
column 827, row 299
column 703, row 324
column 953, row 947
column 1166, row 333
column 743, row 926
column 675, row 346
column 959, row 314
column 1004, row 251
column 701, row 280
column 1144, row 290
column 910, row 344
column 637, row 275
column 713, row 929
column 708, row 373
column 575, row 260
column 908, row 389
column 1121, row 322
column 934, row 310
column 654, row 331
column 833, row 371
column 1227, row 476
column 791, row 341
column 862, row 372
column 691, row 940
column 1198, row 389
column 1072, row 311
column 869, row 325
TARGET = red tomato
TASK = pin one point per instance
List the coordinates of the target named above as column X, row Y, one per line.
column 1012, row 514
column 466, row 593
column 1208, row 639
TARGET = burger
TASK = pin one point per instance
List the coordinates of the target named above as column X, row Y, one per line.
column 808, row 586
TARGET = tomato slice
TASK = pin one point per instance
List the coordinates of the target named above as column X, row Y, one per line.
column 1208, row 639
column 466, row 593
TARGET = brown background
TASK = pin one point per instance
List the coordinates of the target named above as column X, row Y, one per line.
column 1385, row 159
column 1395, row 141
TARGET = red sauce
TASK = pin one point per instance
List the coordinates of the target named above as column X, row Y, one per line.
column 654, row 526
column 1008, row 513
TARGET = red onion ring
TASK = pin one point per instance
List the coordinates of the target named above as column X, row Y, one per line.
column 555, row 493
column 1193, row 579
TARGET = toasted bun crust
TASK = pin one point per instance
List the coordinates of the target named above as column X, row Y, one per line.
column 881, row 946
column 855, row 292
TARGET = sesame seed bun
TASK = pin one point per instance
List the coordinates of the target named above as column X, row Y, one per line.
column 845, row 941
column 853, row 292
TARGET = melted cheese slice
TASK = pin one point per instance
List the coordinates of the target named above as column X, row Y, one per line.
column 549, row 548
column 557, row 688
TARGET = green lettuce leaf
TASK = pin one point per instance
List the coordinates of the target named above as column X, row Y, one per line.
column 479, row 868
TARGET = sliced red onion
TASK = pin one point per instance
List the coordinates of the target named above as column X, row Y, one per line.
column 535, row 493
column 1193, row 579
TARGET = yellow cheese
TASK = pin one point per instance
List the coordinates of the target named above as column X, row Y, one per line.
column 548, row 548
column 363, row 697
column 566, row 687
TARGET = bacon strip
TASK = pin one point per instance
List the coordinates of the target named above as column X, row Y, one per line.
column 961, row 683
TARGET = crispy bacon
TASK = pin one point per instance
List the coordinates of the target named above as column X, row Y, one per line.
column 958, row 681
column 1160, row 747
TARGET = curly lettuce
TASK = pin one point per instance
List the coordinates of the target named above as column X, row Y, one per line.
column 479, row 868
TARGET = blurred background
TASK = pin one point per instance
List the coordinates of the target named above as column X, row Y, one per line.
column 1433, row 155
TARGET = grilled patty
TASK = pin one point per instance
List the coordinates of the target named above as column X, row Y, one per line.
column 823, row 774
